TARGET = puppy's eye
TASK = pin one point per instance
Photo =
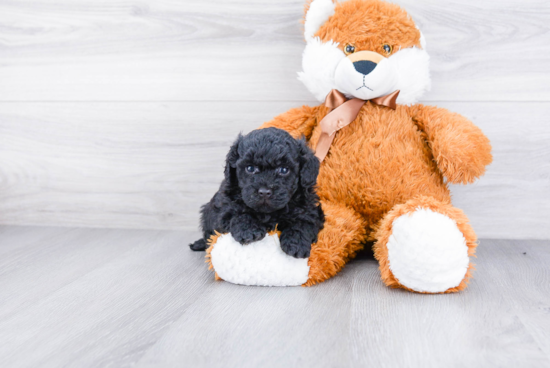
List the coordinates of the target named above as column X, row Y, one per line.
column 349, row 49
column 251, row 169
column 283, row 170
column 387, row 49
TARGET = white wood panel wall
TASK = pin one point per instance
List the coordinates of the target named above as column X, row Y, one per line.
column 118, row 113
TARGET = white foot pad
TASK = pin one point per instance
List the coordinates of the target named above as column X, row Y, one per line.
column 262, row 263
column 427, row 252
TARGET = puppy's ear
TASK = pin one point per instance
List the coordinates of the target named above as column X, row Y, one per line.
column 309, row 167
column 230, row 171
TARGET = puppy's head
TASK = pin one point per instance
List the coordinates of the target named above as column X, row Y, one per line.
column 364, row 49
column 268, row 168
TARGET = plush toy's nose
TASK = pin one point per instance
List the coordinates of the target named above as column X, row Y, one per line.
column 364, row 66
column 264, row 192
column 365, row 61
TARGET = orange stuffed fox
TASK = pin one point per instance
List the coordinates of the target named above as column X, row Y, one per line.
column 383, row 177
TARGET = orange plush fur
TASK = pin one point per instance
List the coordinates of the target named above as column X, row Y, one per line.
column 386, row 163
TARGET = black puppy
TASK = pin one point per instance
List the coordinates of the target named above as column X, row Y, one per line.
column 269, row 180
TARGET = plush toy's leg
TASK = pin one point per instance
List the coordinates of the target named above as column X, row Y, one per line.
column 342, row 236
column 424, row 245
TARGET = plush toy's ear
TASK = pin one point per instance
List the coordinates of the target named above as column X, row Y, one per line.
column 317, row 13
column 230, row 172
column 309, row 168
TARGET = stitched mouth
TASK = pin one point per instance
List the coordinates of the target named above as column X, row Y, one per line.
column 364, row 85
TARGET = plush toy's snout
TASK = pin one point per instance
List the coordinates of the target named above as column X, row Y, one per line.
column 365, row 61
column 366, row 75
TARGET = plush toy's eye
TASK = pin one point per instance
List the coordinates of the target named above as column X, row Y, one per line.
column 252, row 169
column 349, row 49
column 283, row 170
column 387, row 49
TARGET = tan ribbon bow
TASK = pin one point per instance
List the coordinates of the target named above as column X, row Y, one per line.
column 343, row 112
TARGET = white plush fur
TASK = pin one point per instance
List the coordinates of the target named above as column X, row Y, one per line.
column 261, row 263
column 319, row 62
column 427, row 252
column 318, row 13
column 413, row 68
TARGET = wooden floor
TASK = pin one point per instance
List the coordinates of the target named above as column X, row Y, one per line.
column 93, row 297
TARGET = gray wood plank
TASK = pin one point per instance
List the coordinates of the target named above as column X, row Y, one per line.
column 151, row 165
column 387, row 328
column 496, row 322
column 532, row 303
column 13, row 239
column 106, row 314
column 152, row 302
column 377, row 326
column 513, row 199
column 236, row 326
column 81, row 253
column 248, row 50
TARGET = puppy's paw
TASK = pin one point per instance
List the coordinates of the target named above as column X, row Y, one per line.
column 198, row 246
column 247, row 236
column 246, row 229
column 294, row 245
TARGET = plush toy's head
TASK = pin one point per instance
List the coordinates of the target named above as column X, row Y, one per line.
column 364, row 49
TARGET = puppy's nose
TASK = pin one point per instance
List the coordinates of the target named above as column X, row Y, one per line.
column 364, row 66
column 264, row 192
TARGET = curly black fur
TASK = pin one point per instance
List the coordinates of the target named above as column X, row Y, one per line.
column 256, row 163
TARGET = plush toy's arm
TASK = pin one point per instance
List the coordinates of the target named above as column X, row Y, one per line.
column 297, row 121
column 460, row 148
